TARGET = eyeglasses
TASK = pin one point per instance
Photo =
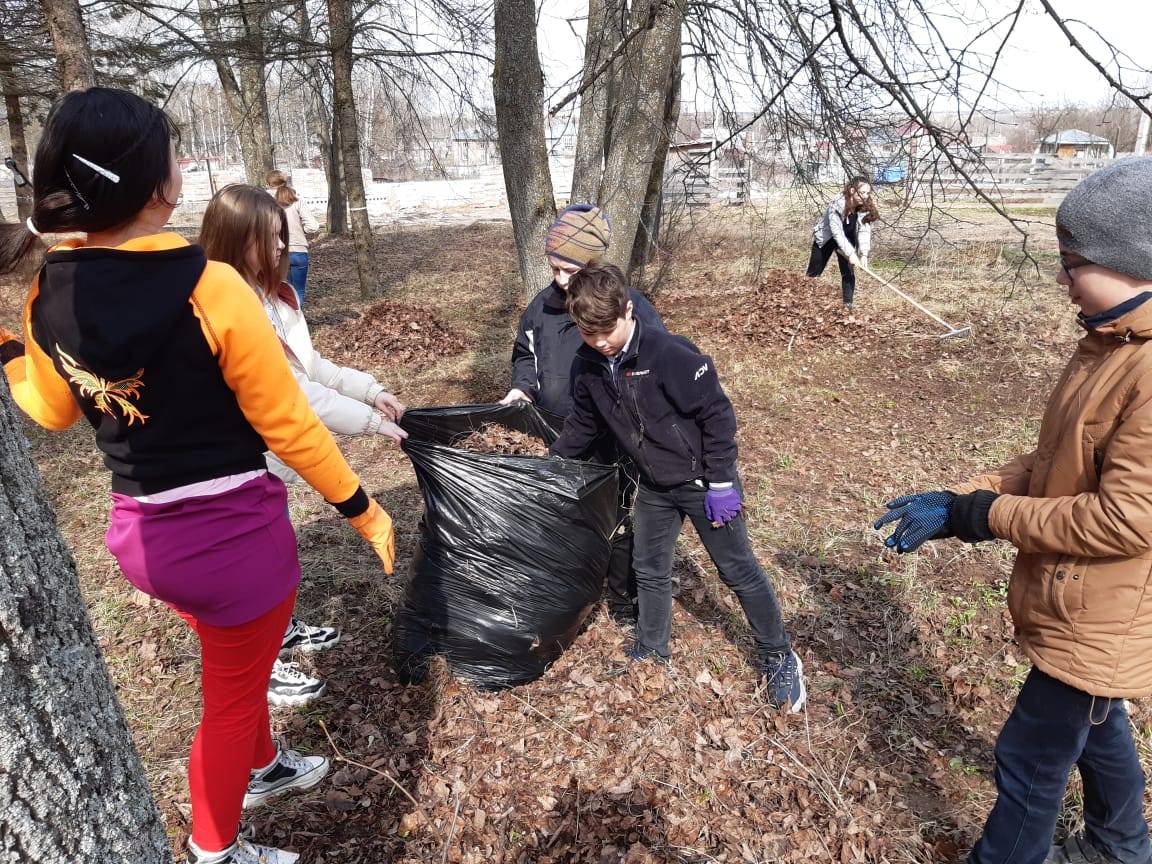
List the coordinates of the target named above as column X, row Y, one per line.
column 1068, row 266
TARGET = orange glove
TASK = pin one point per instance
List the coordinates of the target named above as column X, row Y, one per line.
column 375, row 526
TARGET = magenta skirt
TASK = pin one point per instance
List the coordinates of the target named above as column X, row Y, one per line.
column 224, row 559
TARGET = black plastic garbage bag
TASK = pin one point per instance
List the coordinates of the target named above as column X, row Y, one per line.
column 513, row 549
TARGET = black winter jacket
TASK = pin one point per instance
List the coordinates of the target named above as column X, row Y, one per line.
column 667, row 410
column 546, row 346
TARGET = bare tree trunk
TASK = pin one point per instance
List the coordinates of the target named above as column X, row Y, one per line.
column 254, row 87
column 70, row 42
column 647, row 232
column 247, row 113
column 16, row 135
column 639, row 120
column 71, row 785
column 337, row 200
column 320, row 123
column 518, row 88
column 605, row 30
column 344, row 111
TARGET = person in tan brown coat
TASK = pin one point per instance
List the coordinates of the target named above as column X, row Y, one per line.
column 1079, row 510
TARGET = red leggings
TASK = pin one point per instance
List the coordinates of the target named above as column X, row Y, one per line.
column 234, row 736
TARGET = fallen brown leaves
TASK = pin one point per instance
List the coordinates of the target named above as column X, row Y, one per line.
column 496, row 439
column 390, row 333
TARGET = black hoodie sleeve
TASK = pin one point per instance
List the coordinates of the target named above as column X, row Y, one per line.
column 524, row 376
column 689, row 380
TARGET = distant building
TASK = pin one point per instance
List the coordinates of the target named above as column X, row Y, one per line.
column 1076, row 144
column 711, row 168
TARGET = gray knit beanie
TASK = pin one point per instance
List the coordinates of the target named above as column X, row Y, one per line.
column 1107, row 217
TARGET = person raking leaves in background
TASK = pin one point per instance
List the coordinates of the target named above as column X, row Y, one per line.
column 1078, row 509
column 845, row 230
column 172, row 361
column 661, row 399
column 543, row 354
column 243, row 227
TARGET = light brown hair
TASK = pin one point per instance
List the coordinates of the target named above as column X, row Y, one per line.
column 597, row 298
column 870, row 210
column 277, row 183
column 238, row 216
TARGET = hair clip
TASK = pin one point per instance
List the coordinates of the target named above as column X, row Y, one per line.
column 99, row 169
column 76, row 192
column 31, row 227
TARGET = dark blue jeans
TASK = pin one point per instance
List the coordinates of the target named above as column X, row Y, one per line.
column 1052, row 728
column 657, row 519
column 298, row 273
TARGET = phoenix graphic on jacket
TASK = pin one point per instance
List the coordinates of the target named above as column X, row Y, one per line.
column 102, row 391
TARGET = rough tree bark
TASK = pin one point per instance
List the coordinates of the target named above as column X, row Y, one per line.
column 70, row 42
column 604, row 32
column 344, row 111
column 16, row 134
column 518, row 88
column 253, row 84
column 337, row 199
column 648, row 230
column 247, row 114
column 638, row 124
column 320, row 123
column 71, row 785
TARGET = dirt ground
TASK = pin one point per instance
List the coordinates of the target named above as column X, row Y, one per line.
column 910, row 662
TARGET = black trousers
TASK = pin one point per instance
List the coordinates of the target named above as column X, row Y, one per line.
column 659, row 515
column 819, row 260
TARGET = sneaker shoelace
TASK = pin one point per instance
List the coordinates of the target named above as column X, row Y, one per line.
column 784, row 674
column 291, row 673
column 246, row 853
column 293, row 760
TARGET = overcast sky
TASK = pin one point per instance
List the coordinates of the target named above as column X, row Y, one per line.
column 1042, row 65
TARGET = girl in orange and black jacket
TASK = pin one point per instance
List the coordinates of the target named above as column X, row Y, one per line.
column 173, row 362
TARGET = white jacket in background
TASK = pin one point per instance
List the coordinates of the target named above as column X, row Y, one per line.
column 341, row 397
column 831, row 225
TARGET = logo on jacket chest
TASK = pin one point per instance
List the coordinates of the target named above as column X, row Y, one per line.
column 636, row 373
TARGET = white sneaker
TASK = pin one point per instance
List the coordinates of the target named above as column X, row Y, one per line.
column 290, row 686
column 241, row 852
column 303, row 637
column 289, row 770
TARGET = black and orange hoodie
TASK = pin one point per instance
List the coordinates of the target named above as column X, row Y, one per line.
column 172, row 360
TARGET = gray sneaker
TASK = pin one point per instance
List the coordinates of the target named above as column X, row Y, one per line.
column 289, row 685
column 241, row 852
column 289, row 770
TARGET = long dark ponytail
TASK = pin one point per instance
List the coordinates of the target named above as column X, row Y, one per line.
column 103, row 156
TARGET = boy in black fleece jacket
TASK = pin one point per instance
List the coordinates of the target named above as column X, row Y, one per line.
column 660, row 398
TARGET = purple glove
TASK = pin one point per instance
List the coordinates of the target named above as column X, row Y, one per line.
column 721, row 506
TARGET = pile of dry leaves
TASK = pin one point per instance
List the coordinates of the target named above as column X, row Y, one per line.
column 389, row 334
column 786, row 310
column 493, row 438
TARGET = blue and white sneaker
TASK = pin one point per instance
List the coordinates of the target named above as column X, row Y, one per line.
column 784, row 677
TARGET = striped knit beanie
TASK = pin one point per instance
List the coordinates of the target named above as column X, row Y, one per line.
column 579, row 235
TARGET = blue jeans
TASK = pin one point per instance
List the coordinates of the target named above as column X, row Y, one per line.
column 1052, row 728
column 657, row 519
column 298, row 273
